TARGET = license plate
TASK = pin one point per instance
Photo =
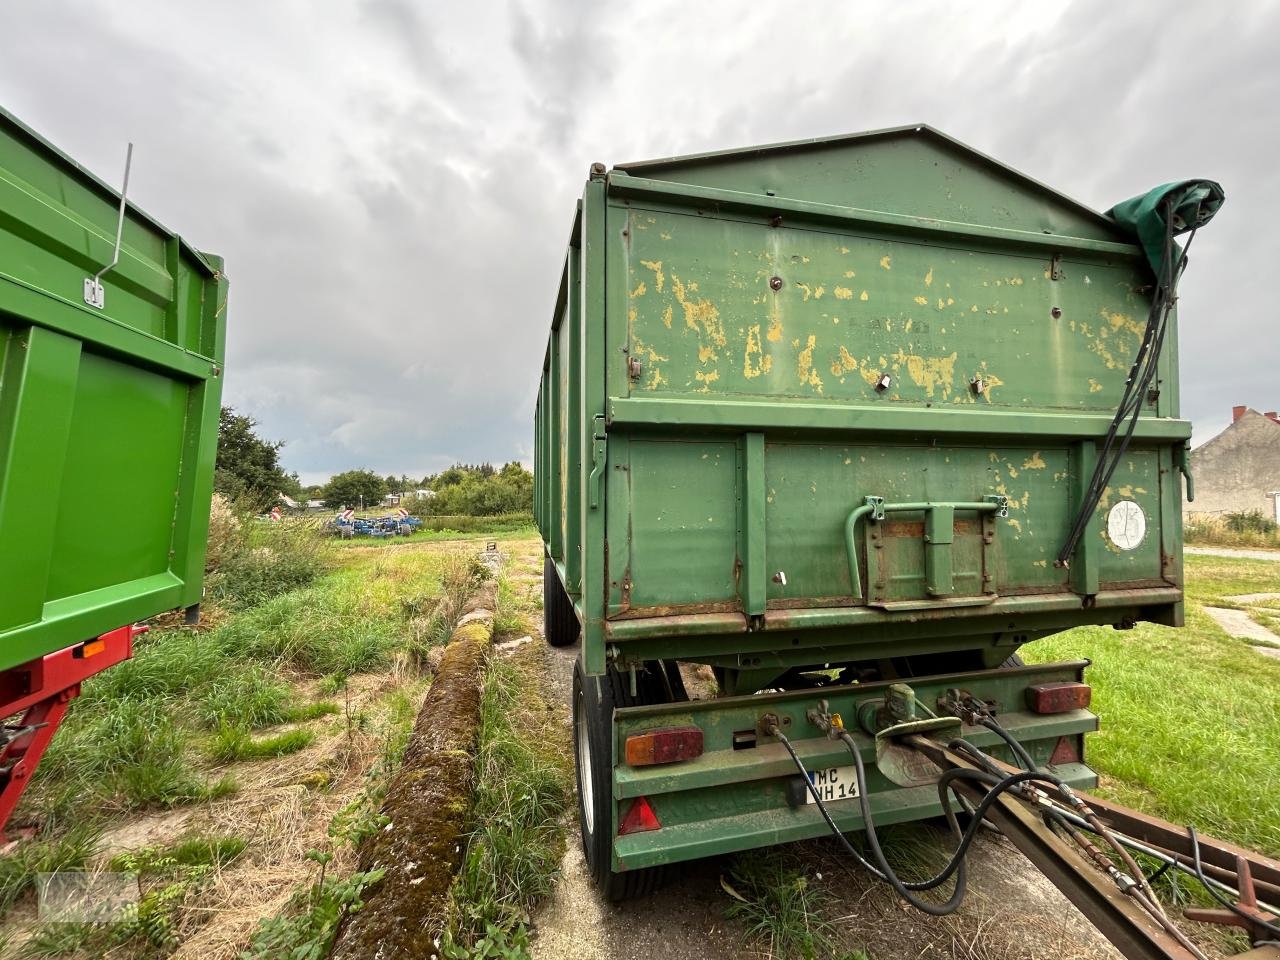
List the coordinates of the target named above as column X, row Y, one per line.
column 833, row 783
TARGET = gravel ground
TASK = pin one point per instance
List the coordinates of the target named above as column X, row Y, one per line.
column 1234, row 552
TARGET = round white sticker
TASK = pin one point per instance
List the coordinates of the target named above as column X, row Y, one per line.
column 1126, row 525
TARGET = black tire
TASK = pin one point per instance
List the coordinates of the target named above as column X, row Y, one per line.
column 559, row 621
column 594, row 700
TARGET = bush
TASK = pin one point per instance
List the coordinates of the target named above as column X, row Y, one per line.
column 477, row 491
column 1251, row 521
column 258, row 560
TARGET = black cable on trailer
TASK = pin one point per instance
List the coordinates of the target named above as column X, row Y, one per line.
column 1019, row 751
column 881, row 869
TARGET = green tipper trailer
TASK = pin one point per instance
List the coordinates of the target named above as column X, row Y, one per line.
column 109, row 399
column 823, row 416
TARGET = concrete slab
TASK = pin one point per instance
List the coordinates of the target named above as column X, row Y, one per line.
column 1238, row 624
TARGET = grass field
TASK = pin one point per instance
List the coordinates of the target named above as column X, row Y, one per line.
column 1190, row 717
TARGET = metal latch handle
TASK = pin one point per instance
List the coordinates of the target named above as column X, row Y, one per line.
column 940, row 517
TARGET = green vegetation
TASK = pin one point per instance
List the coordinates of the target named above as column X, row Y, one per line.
column 248, row 467
column 1190, row 724
column 523, row 778
column 477, row 491
column 779, row 906
column 1244, row 529
column 306, row 928
column 354, row 488
column 234, row 743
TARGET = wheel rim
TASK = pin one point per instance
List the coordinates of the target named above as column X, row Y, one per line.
column 585, row 788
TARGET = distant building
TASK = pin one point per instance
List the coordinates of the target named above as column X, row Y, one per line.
column 1238, row 471
column 391, row 500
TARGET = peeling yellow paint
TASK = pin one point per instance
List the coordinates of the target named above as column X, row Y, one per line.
column 910, row 323
column 707, row 354
column 699, row 315
column 631, row 315
column 639, row 290
column 1121, row 321
column 844, row 249
column 931, row 373
column 659, row 278
column 667, row 316
column 1039, row 563
column 807, row 292
column 804, row 365
column 928, row 278
column 850, row 274
column 864, row 297
column 1015, row 523
column 886, row 262
column 706, row 378
column 843, row 293
column 1013, row 472
column 1034, row 462
column 1094, row 386
column 843, row 363
column 655, row 380
column 775, row 329
column 819, row 291
column 922, row 300
column 762, row 361
column 665, row 236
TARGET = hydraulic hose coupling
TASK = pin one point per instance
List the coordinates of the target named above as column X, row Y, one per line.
column 832, row 724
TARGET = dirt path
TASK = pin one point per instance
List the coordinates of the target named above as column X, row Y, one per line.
column 1234, row 552
column 1011, row 912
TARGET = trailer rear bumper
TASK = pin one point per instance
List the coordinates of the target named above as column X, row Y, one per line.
column 744, row 791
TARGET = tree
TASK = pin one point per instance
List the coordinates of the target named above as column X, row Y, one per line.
column 354, row 488
column 478, row 490
column 248, row 467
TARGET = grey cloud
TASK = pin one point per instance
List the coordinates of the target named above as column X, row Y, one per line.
column 392, row 182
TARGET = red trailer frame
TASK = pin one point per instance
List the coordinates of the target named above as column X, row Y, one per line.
column 41, row 690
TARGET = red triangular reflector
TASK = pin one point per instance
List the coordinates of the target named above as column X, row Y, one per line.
column 639, row 818
column 1064, row 752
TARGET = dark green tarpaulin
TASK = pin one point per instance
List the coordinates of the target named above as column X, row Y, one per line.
column 1194, row 202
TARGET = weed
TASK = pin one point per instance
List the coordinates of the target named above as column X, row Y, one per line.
column 197, row 850
column 232, row 743
column 256, row 561
column 780, row 907
column 251, row 696
column 305, row 930
column 1244, row 529
column 19, row 867
column 311, row 711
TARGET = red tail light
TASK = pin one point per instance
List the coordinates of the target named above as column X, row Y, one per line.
column 663, row 746
column 639, row 818
column 1058, row 697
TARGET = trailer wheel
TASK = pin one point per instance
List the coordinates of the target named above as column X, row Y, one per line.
column 559, row 622
column 594, row 700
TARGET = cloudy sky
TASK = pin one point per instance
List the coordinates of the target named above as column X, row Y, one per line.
column 392, row 181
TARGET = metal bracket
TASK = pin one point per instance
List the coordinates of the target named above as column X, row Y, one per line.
column 877, row 507
column 1055, row 267
column 94, row 294
column 596, row 480
column 1001, row 502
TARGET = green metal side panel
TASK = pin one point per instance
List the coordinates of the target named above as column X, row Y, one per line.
column 108, row 417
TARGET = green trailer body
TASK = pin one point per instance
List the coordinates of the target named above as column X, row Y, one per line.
column 835, row 404
column 108, row 415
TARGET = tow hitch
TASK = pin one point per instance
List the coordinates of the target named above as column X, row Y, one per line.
column 1070, row 837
